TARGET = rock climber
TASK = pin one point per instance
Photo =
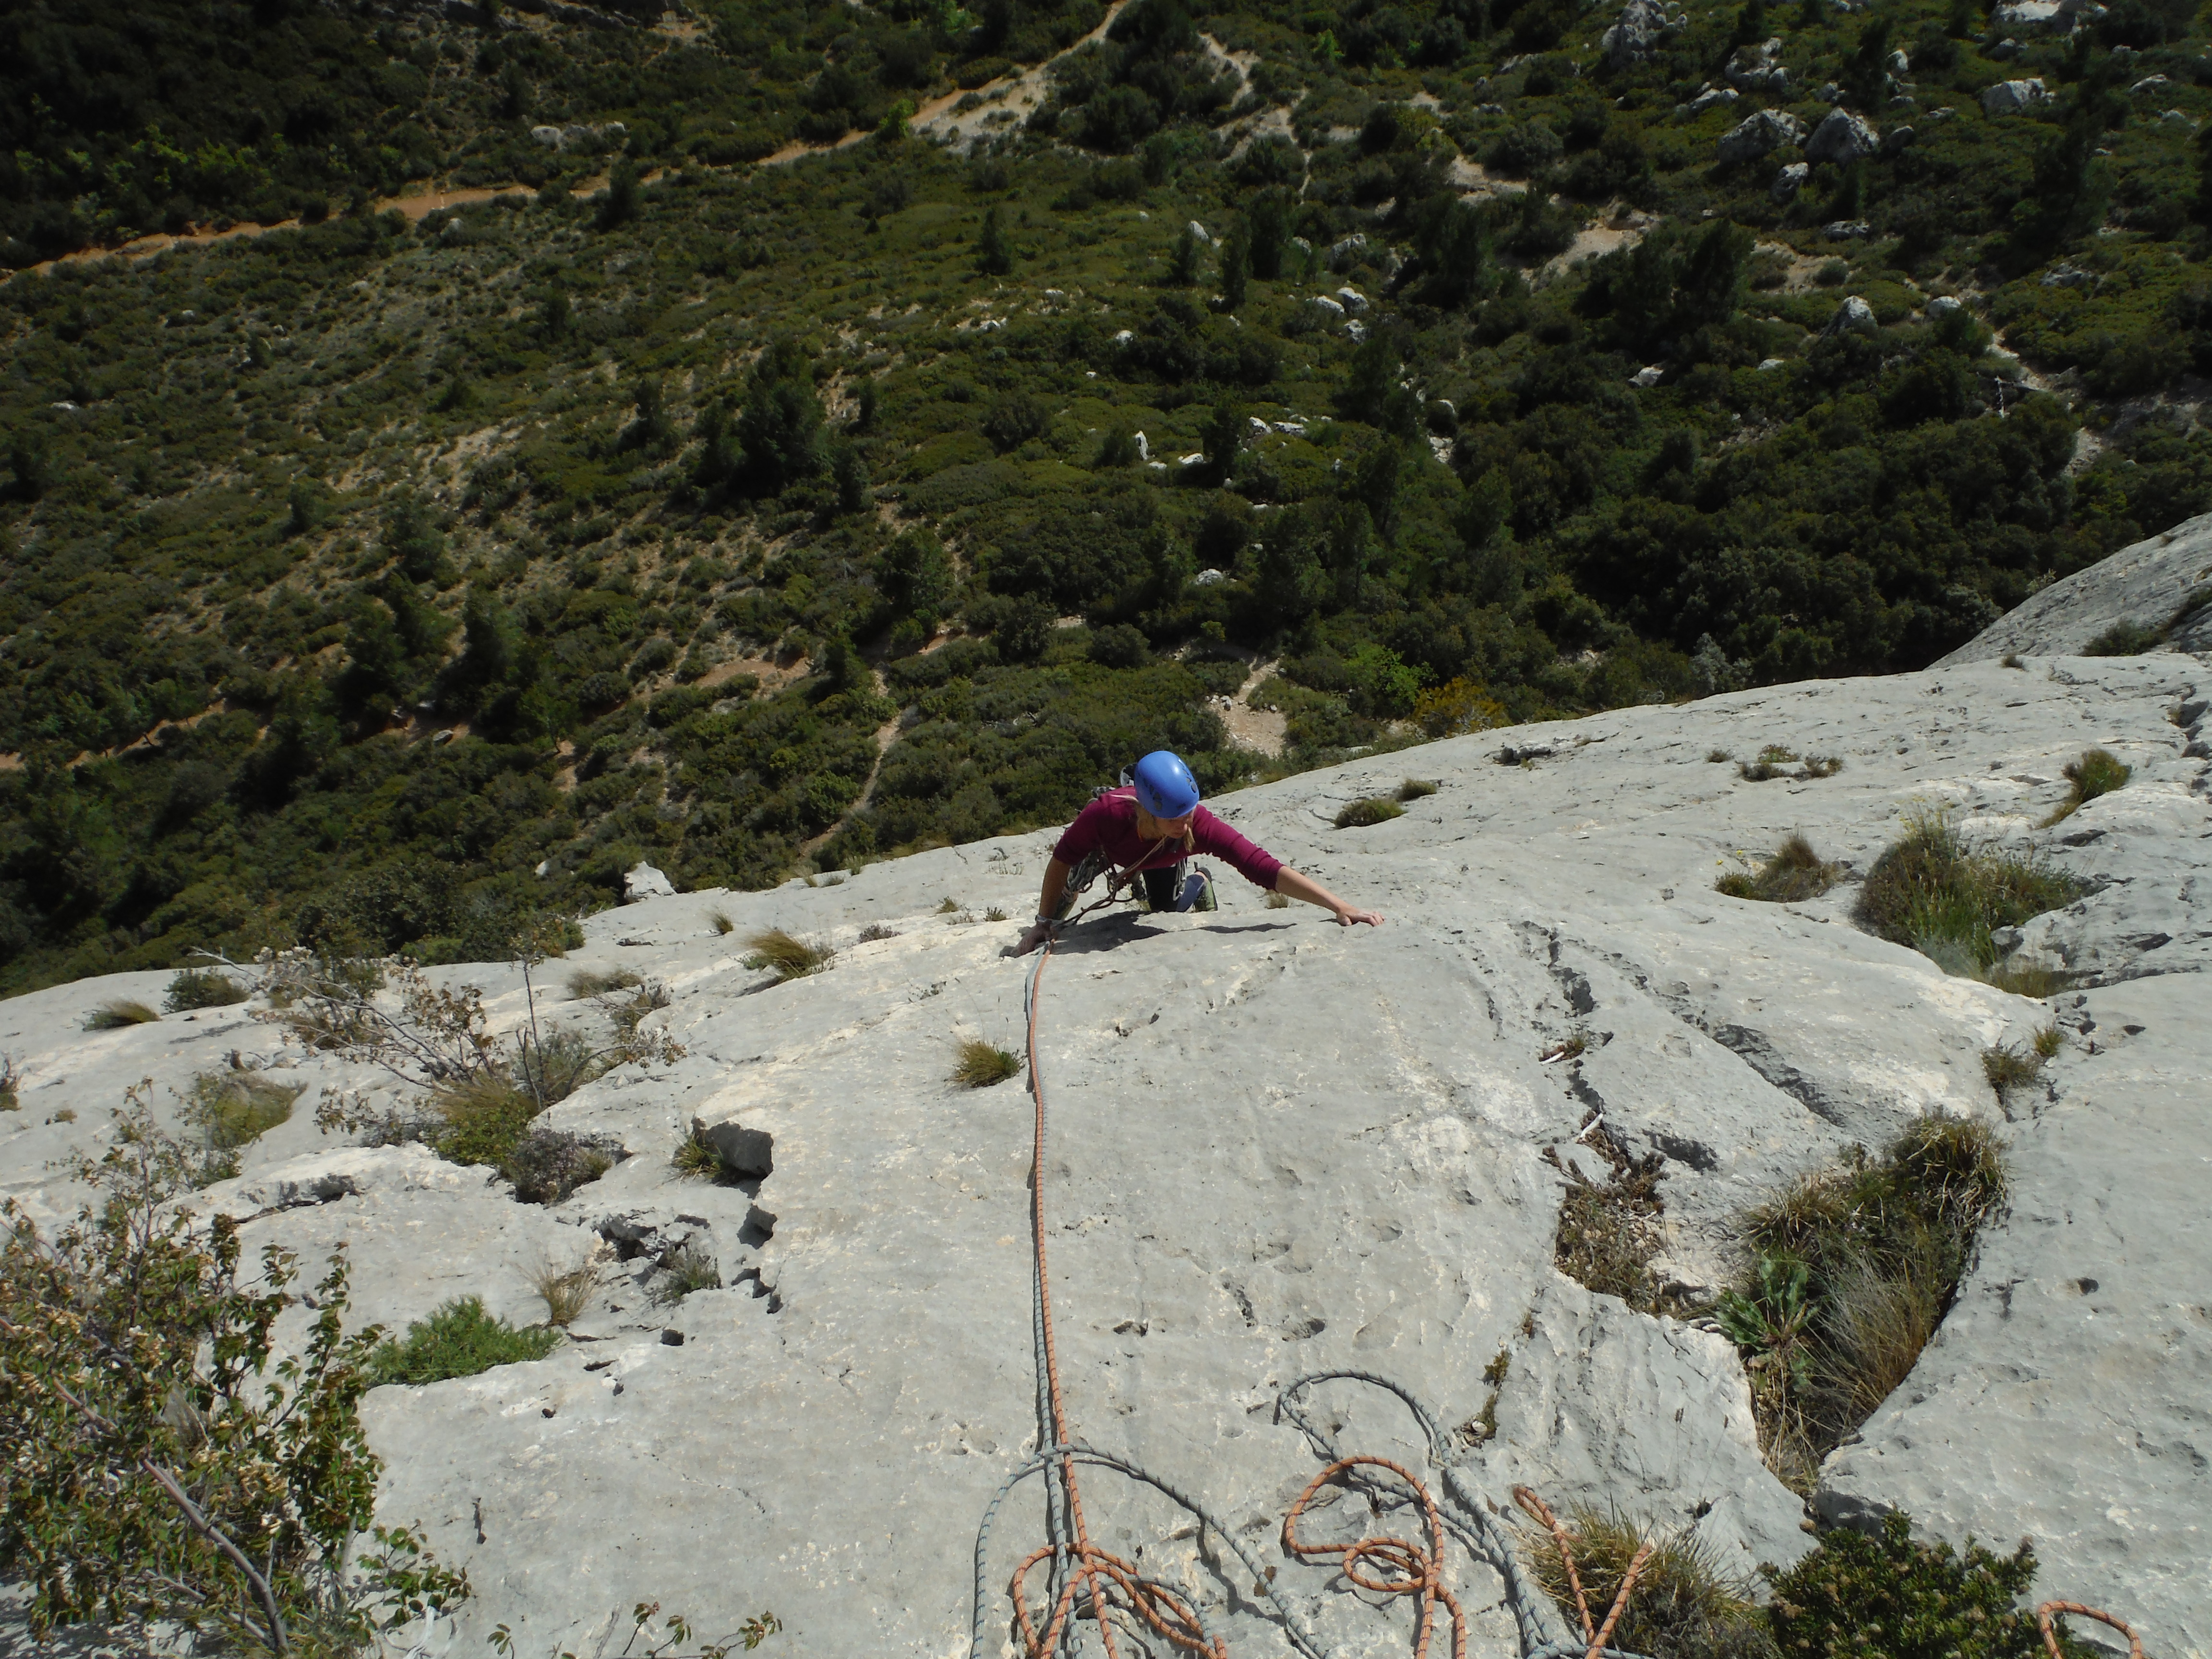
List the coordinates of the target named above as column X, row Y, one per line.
column 1148, row 828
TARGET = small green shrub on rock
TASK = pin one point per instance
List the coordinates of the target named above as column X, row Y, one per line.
column 459, row 1339
column 117, row 1012
column 1881, row 1593
column 201, row 987
column 1932, row 891
column 2123, row 639
column 1796, row 872
column 2098, row 772
column 1362, row 814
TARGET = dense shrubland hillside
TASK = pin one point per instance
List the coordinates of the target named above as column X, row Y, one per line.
column 387, row 582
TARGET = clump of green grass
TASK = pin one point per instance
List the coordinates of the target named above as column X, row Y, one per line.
column 1931, row 891
column 994, row 913
column 1717, row 756
column 2123, row 639
column 459, row 1339
column 1774, row 762
column 2011, row 660
column 721, row 923
column 2009, row 1066
column 2049, row 1040
column 117, row 1012
column 568, row 1290
column 1415, row 788
column 788, row 957
column 1683, row 1604
column 689, row 1269
column 201, row 987
column 1850, row 1270
column 697, row 1156
column 586, row 982
column 1796, row 872
column 978, row 1064
column 482, row 1118
column 2098, row 772
column 1362, row 814
column 947, row 908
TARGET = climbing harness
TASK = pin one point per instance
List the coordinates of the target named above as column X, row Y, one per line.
column 1082, row 1580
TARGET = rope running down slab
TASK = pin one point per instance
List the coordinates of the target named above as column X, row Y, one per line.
column 1082, row 1579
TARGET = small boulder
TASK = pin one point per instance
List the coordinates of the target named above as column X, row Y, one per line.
column 1353, row 299
column 1709, row 95
column 645, row 882
column 1198, row 231
column 1854, row 316
column 2068, row 276
column 2012, row 97
column 1841, row 137
column 1788, row 182
column 1649, row 376
column 1944, row 304
column 1757, row 134
column 1326, row 306
column 1757, row 68
column 549, row 137
column 1896, row 139
column 2147, row 82
column 1847, row 230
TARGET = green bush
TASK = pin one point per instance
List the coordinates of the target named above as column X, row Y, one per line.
column 1931, row 891
column 459, row 1339
column 1362, row 814
column 1881, row 1593
column 2123, row 639
column 1795, row 873
column 201, row 987
column 2098, row 772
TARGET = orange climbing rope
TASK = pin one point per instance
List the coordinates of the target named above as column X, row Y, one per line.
column 1389, row 1565
column 2047, row 1620
column 1538, row 1511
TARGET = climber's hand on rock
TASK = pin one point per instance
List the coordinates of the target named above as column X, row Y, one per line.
column 1036, row 936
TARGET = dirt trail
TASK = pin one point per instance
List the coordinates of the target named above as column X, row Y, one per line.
column 886, row 734
column 1020, row 92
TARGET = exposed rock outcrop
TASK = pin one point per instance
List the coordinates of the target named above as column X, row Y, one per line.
column 1279, row 1146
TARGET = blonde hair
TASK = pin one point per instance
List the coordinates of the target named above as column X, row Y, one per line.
column 1149, row 827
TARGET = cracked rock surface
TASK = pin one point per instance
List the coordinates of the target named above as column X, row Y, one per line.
column 1279, row 1148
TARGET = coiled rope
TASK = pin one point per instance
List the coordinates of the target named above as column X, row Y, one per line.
column 1082, row 1579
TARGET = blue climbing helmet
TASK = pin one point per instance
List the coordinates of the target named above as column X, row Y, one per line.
column 1165, row 788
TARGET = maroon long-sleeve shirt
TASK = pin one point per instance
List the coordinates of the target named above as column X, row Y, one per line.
column 1109, row 826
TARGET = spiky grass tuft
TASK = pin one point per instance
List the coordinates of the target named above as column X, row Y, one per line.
column 1364, row 814
column 117, row 1012
column 978, row 1064
column 788, row 957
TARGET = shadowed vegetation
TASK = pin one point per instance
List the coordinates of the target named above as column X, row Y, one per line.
column 1931, row 890
column 1793, row 874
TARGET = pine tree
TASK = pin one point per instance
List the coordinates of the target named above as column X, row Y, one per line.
column 994, row 255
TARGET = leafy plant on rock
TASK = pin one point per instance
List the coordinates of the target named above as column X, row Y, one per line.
column 168, row 1469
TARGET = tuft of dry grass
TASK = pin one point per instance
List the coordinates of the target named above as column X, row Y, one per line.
column 1278, row 901
column 1775, row 760
column 1717, row 756
column 568, row 1290
column 118, row 1012
column 947, row 908
column 696, row 1155
column 1364, row 814
column 978, row 1064
column 721, row 923
column 1795, row 872
column 2098, row 772
column 791, row 958
column 586, row 982
column 689, row 1269
column 994, row 913
column 1609, row 1230
column 2048, row 1042
column 1683, row 1603
column 2008, row 1065
column 876, row 930
column 1415, row 788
